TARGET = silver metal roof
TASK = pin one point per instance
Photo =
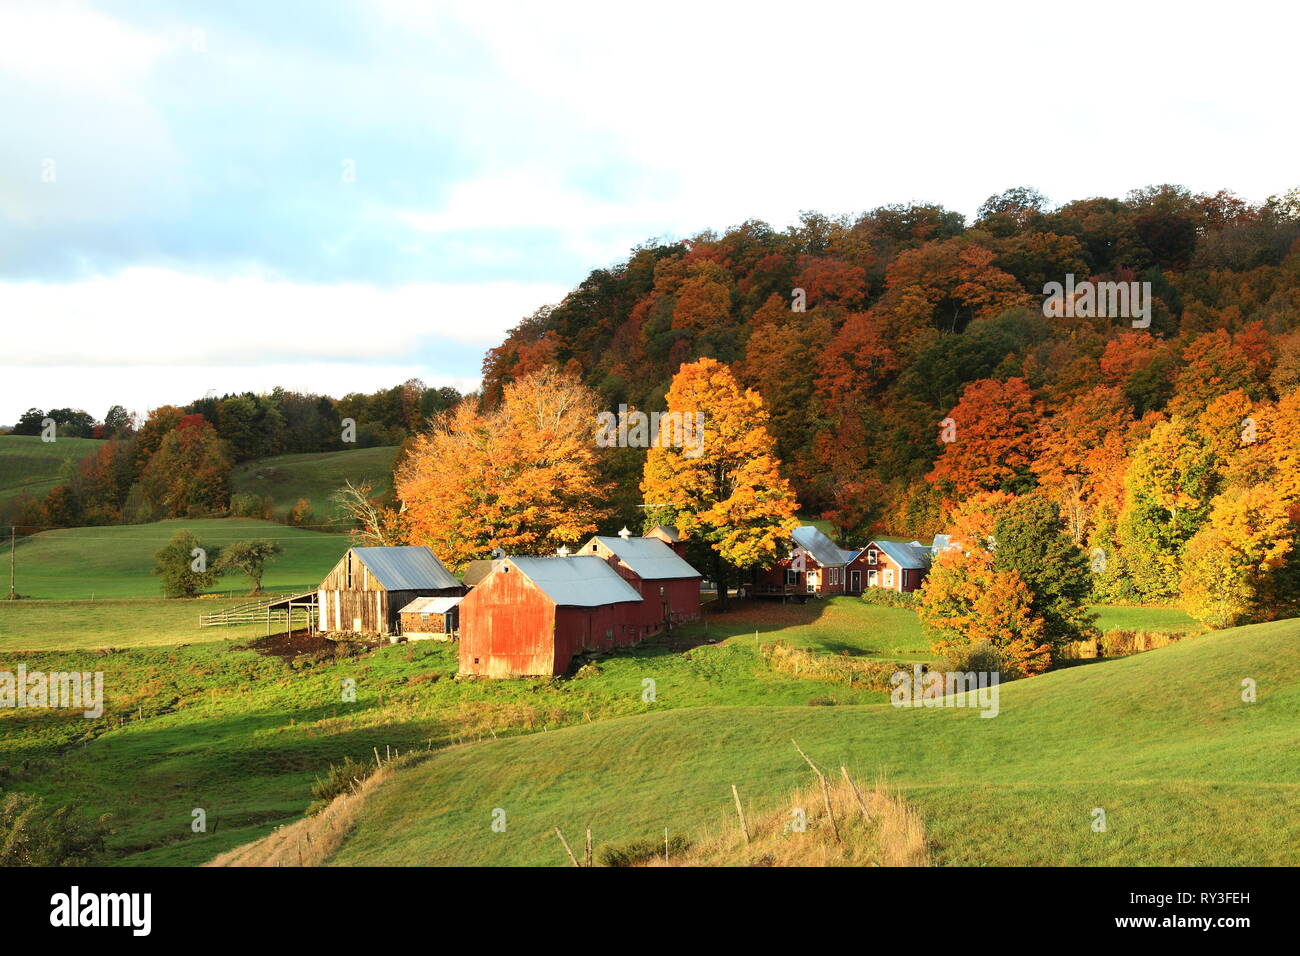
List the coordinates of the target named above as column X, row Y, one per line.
column 575, row 581
column 913, row 555
column 407, row 568
column 823, row 549
column 649, row 558
column 432, row 605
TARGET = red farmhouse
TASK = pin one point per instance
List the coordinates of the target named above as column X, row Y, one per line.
column 815, row 566
column 668, row 586
column 530, row 616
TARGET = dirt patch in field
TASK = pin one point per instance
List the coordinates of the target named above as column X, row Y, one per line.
column 287, row 646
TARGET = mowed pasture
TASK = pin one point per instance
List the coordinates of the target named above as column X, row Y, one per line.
column 245, row 735
column 1186, row 772
column 117, row 561
column 315, row 476
column 32, row 466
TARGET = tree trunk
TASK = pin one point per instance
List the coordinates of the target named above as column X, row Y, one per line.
column 719, row 580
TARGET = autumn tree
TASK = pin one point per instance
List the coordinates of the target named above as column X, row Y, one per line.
column 523, row 477
column 988, row 443
column 1170, row 482
column 730, row 495
column 1229, row 574
column 189, row 475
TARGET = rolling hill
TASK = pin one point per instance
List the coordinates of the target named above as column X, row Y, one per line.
column 117, row 561
column 30, row 465
column 315, row 476
column 1185, row 771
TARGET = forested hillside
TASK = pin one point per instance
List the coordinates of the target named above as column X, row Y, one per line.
column 910, row 318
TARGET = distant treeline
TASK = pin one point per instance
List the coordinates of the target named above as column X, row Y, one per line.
column 177, row 461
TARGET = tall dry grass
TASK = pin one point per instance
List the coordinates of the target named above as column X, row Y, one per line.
column 876, row 828
column 312, row 840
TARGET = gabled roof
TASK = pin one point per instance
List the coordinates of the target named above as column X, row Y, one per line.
column 942, row 542
column 822, row 548
column 850, row 556
column 670, row 531
column 476, row 571
column 909, row 555
column 649, row 558
column 432, row 605
column 407, row 568
column 576, row 581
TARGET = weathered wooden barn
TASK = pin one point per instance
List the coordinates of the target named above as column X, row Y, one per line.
column 668, row 586
column 433, row 618
column 368, row 588
column 530, row 616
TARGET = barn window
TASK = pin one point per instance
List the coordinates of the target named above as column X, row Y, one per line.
column 349, row 570
column 593, row 547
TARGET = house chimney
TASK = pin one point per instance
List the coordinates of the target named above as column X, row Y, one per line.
column 625, row 534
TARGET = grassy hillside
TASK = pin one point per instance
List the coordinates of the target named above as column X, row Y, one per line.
column 117, row 562
column 316, row 476
column 244, row 736
column 30, row 465
column 1186, row 772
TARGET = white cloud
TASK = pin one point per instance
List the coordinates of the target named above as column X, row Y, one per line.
column 158, row 317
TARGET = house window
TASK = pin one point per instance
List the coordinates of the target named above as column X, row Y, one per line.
column 871, row 579
column 889, row 577
column 792, row 577
column 833, row 576
column 871, row 556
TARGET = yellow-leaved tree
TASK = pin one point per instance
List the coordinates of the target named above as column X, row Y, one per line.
column 524, row 477
column 726, row 490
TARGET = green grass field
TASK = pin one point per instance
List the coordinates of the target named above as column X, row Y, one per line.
column 1186, row 772
column 206, row 724
column 74, row 625
column 286, row 478
column 117, row 561
column 30, row 465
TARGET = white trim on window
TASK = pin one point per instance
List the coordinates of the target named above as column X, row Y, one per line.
column 889, row 577
column 871, row 556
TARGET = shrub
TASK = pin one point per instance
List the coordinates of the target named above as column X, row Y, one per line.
column 887, row 598
column 639, row 851
column 245, row 505
column 31, row 835
column 302, row 513
column 339, row 779
column 979, row 658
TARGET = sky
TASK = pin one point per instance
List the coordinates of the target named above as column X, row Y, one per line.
column 212, row 198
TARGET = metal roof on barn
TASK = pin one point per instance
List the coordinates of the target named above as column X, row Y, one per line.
column 574, row 581
column 649, row 558
column 669, row 530
column 476, row 571
column 406, row 568
column 823, row 549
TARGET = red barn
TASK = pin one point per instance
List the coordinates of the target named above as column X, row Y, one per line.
column 668, row 586
column 530, row 616
column 669, row 535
